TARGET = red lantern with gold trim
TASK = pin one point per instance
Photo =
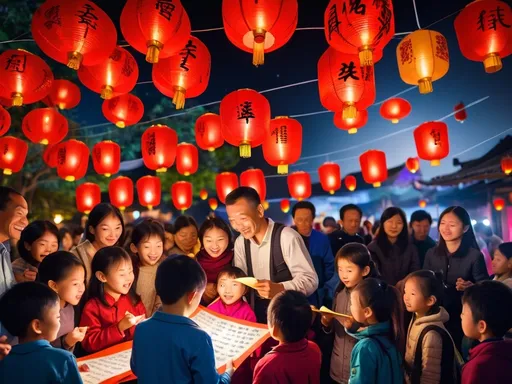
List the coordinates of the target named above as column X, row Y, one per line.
column 351, row 125
column 255, row 179
column 225, row 182
column 64, row 95
column 158, row 146
column 299, row 185
column 213, row 203
column 120, row 192
column 88, row 195
column 413, row 164
column 460, row 112
column 285, row 205
column 506, row 165
column 330, row 177
column 187, row 159
column 208, row 132
column 203, row 194
column 106, row 158
column 350, row 183
column 50, row 155
column 12, row 154
column 374, row 167
column 283, row 143
column 395, row 109
column 149, row 191
column 432, row 142
column 181, row 193
column 499, row 204
column 5, row 121
column 124, row 110
column 45, row 126
column 72, row 160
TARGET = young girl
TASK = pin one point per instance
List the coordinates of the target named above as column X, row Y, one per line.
column 502, row 264
column 113, row 308
column 65, row 274
column 148, row 247
column 185, row 237
column 37, row 240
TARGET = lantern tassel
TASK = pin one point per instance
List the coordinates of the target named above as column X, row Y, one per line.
column 349, row 111
column 245, row 150
column 74, row 60
column 107, row 92
column 331, row 192
column 154, row 48
column 282, row 169
column 376, row 185
column 425, row 85
column 69, row 178
column 435, row 163
column 395, row 121
column 258, row 48
column 492, row 63
column 211, row 149
column 160, row 170
column 7, row 172
column 120, row 124
column 352, row 131
column 179, row 97
column 17, row 99
column 366, row 56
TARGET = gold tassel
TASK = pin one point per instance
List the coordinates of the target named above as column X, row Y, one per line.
column 282, row 169
column 258, row 48
column 331, row 192
column 366, row 56
column 161, row 170
column 74, row 60
column 17, row 99
column 106, row 92
column 245, row 150
column 349, row 111
column 492, row 63
column 211, row 149
column 120, row 124
column 376, row 185
column 395, row 121
column 44, row 142
column 154, row 48
column 7, row 172
column 352, row 131
column 435, row 163
column 179, row 97
column 425, row 85
column 69, row 178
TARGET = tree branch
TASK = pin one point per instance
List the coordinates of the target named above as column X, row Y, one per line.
column 35, row 180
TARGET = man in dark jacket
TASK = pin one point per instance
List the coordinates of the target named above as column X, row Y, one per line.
column 421, row 221
column 350, row 222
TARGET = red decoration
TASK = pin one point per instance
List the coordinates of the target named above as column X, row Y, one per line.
column 124, row 110
column 283, row 143
column 72, row 160
column 432, row 141
column 422, row 203
column 351, row 183
column 120, row 192
column 299, row 185
column 330, row 177
column 149, row 191
column 395, row 109
column 208, row 132
column 255, row 179
column 187, row 159
column 203, row 194
column 506, row 165
column 225, row 182
column 106, row 158
column 64, row 94
column 50, row 155
column 158, row 146
column 259, row 27
column 285, row 205
column 245, row 117
column 45, row 126
column 181, row 193
column 351, row 125
column 373, row 167
column 413, row 164
column 13, row 154
column 499, row 204
column 88, row 195
column 213, row 203
column 460, row 112
column 5, row 121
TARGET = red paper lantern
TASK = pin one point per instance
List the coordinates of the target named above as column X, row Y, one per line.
column 64, row 95
column 184, row 74
column 373, row 167
column 283, row 143
column 213, row 203
column 299, row 185
column 106, row 158
column 158, row 146
column 285, row 205
column 359, row 27
column 187, row 159
column 124, row 110
column 460, row 112
column 120, row 192
column 330, row 177
column 72, row 160
column 484, row 32
column 149, row 191
column 351, row 183
column 351, row 125
column 259, row 27
column 422, row 203
column 432, row 142
column 413, row 164
column 158, row 29
column 26, row 78
column 74, row 32
column 499, row 204
column 5, row 121
column 208, row 132
column 245, row 117
column 181, row 193
column 88, row 195
column 225, row 182
column 395, row 109
column 506, row 165
column 203, row 194
column 45, row 126
column 13, row 152
column 255, row 179
column 50, row 155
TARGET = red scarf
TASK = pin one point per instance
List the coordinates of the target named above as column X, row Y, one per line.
column 213, row 265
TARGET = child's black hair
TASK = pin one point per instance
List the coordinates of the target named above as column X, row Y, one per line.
column 291, row 313
column 214, row 222
column 57, row 266
column 359, row 255
column 232, row 272
column 430, row 284
column 23, row 303
column 30, row 234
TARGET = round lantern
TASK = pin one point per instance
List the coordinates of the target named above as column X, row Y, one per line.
column 120, row 192
column 88, row 195
column 499, row 204
column 5, row 121
column 432, row 142
column 124, row 110
column 25, row 78
column 423, row 58
column 187, row 159
column 158, row 146
column 208, row 132
column 45, row 126
column 351, row 183
column 395, row 109
column 422, row 203
column 12, row 154
column 484, row 32
column 245, row 118
column 181, row 193
column 255, row 179
column 259, row 27
column 213, row 203
column 460, row 112
column 330, row 177
column 413, row 164
column 149, row 191
column 351, row 125
column 106, row 158
column 64, row 94
column 299, row 185
column 225, row 182
column 283, row 143
column 506, row 165
column 184, row 74
column 74, row 32
column 285, row 205
column 72, row 160
column 203, row 194
column 158, row 29
column 373, row 167
column 50, row 155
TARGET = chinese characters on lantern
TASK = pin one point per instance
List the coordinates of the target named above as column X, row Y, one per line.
column 491, row 19
column 189, row 50
column 165, row 8
column 87, row 17
column 244, row 111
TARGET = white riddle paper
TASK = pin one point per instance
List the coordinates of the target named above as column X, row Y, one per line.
column 104, row 368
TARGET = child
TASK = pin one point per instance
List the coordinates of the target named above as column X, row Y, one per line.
column 295, row 359
column 30, row 311
column 502, row 264
column 169, row 347
column 147, row 245
column 113, row 308
column 486, row 317
column 65, row 274
column 38, row 240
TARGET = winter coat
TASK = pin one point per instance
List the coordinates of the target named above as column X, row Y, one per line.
column 490, row 362
column 398, row 264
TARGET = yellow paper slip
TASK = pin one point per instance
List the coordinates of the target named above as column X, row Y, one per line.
column 327, row 311
column 249, row 281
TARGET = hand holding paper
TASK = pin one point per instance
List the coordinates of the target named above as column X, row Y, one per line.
column 326, row 311
column 249, row 281
column 129, row 320
column 268, row 289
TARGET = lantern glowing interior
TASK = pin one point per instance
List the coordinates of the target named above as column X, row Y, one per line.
column 106, row 158
column 64, row 94
column 351, row 125
column 299, row 185
column 330, row 177
column 395, row 109
column 187, row 159
column 13, row 154
column 208, row 132
column 460, row 112
column 499, row 204
column 203, row 194
column 123, row 110
column 506, row 165
column 283, row 143
column 422, row 203
column 181, row 193
column 120, row 192
column 255, row 179
column 413, row 164
column 374, row 167
column 73, row 160
column 45, row 126
column 285, row 205
column 351, row 183
column 225, row 182
column 213, row 203
column 88, row 195
column 432, row 142
column 149, row 191
column 158, row 146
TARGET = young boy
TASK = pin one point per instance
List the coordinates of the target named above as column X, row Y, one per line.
column 169, row 347
column 486, row 317
column 30, row 311
column 295, row 360
column 502, row 264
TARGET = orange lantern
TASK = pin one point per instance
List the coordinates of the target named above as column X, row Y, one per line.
column 50, row 155
column 106, row 158
column 187, row 159
column 149, row 191
column 245, row 117
column 44, row 126
column 506, row 165
column 351, row 125
column 158, row 29
column 26, row 78
column 285, row 205
column 13, row 152
column 181, row 193
column 120, row 192
column 373, row 167
column 5, row 121
column 213, row 203
column 299, row 185
column 203, row 194
column 124, row 110
column 74, row 32
column 413, row 164
column 484, row 33
column 432, row 142
column 255, row 179
column 184, row 74
column 72, row 160
column 395, row 109
column 88, row 195
column 422, row 203
column 265, row 204
column 499, row 204
column 64, row 94
column 282, row 145
column 208, row 132
column 158, row 146
column 460, row 112
column 330, row 177
column 225, row 182
column 351, row 183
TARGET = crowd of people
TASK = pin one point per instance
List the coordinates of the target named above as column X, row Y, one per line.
column 406, row 307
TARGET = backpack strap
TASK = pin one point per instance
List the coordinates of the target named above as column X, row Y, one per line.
column 276, row 252
column 248, row 259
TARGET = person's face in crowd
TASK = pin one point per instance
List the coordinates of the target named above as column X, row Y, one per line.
column 357, row 311
column 230, row 291
column 13, row 219
column 469, row 327
column 48, row 327
column 414, row 300
column 393, row 227
column 72, row 288
column 169, row 241
column 245, row 218
column 186, row 238
column 351, row 221
column 67, row 242
column 42, row 247
column 329, row 228
column 215, row 241
column 350, row 273
column 150, row 250
column 451, row 228
column 303, row 220
column 421, row 229
column 108, row 231
column 500, row 264
column 119, row 278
